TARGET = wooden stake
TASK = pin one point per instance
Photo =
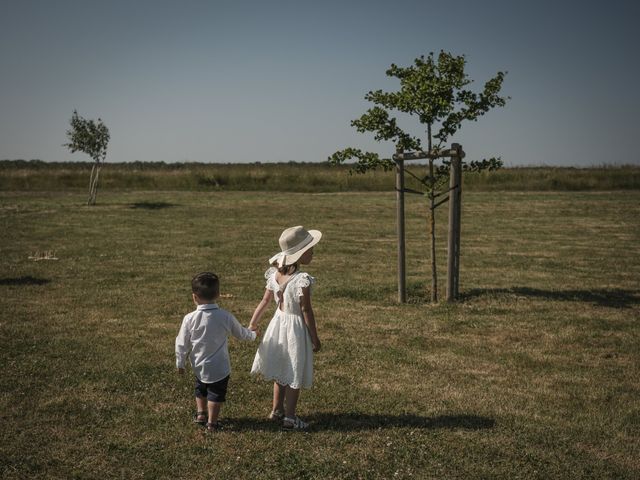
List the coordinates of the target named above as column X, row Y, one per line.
column 451, row 236
column 455, row 195
column 458, row 195
column 402, row 289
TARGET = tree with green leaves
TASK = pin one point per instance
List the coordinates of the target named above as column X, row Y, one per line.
column 90, row 137
column 433, row 89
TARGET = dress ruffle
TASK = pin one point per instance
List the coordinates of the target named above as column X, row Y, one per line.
column 304, row 280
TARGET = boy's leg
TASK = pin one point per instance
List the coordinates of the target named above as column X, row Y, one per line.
column 278, row 397
column 216, row 396
column 201, row 402
column 214, row 411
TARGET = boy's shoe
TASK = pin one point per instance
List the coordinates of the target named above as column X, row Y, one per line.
column 201, row 418
column 276, row 416
column 294, row 423
column 214, row 427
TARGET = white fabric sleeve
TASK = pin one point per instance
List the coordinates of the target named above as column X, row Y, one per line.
column 304, row 280
column 183, row 342
column 269, row 276
column 239, row 331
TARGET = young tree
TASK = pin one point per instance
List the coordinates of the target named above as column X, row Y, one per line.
column 90, row 137
column 433, row 89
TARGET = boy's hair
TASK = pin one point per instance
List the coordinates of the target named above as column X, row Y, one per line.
column 206, row 286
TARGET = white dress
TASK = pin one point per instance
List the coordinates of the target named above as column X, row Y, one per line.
column 285, row 354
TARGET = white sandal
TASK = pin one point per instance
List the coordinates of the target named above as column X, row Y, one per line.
column 294, row 423
column 276, row 416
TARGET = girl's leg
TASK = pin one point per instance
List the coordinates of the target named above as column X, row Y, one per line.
column 278, row 397
column 291, row 401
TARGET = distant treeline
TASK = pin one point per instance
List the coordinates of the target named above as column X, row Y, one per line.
column 37, row 175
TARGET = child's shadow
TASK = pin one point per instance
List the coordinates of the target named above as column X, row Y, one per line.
column 361, row 421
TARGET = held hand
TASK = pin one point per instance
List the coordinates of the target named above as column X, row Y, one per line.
column 316, row 345
column 181, row 371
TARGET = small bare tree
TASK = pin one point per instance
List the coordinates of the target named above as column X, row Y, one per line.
column 90, row 137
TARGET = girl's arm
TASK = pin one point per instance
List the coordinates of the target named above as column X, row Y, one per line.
column 309, row 318
column 259, row 311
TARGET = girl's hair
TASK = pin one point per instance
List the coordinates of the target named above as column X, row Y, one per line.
column 288, row 269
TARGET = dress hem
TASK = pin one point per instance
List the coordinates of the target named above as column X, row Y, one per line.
column 279, row 381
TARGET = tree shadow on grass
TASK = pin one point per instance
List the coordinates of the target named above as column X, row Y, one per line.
column 151, row 205
column 614, row 298
column 26, row 280
column 359, row 422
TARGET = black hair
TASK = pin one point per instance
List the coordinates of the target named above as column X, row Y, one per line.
column 206, row 286
column 288, row 269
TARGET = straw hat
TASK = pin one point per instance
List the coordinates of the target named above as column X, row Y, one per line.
column 294, row 242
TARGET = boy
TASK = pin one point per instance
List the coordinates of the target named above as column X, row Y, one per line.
column 203, row 335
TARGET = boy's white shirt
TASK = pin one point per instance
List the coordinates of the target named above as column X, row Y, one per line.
column 203, row 335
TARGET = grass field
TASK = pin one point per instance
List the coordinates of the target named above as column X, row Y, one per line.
column 533, row 374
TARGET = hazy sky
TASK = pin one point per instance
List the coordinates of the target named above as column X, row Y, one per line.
column 243, row 81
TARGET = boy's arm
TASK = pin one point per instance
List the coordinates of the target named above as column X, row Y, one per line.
column 239, row 331
column 309, row 318
column 267, row 298
column 183, row 344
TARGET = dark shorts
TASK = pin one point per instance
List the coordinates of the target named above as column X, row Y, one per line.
column 214, row 392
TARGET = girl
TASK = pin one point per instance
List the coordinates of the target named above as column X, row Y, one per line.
column 285, row 354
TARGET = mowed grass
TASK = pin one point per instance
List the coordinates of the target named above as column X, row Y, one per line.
column 533, row 374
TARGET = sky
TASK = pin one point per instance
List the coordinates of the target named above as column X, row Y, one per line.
column 278, row 81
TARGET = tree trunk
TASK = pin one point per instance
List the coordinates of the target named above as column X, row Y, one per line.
column 91, row 200
column 432, row 222
column 432, row 236
column 93, row 184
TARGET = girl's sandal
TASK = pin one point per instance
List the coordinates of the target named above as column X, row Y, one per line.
column 214, row 427
column 294, row 423
column 276, row 416
column 201, row 418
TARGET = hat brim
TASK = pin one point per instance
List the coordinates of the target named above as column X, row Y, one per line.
column 294, row 257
